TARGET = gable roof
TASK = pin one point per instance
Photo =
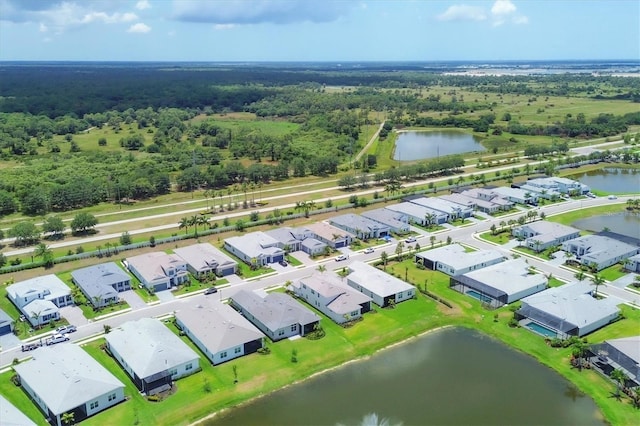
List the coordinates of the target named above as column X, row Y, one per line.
column 275, row 310
column 601, row 248
column 414, row 210
column 204, row 256
column 98, row 280
column 255, row 244
column 357, row 222
column 375, row 280
column 328, row 231
column 388, row 217
column 218, row 326
column 343, row 299
column 65, row 377
column 149, row 347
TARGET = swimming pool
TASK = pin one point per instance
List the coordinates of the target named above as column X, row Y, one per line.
column 480, row 297
column 537, row 328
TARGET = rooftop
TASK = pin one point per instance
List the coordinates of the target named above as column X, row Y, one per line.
column 543, row 227
column 275, row 310
column 438, row 204
column 630, row 346
column 344, row 298
column 98, row 280
column 328, row 231
column 50, row 284
column 255, row 244
column 375, row 280
column 358, row 222
column 388, row 217
column 155, row 265
column 509, row 277
column 457, row 257
column 204, row 256
column 414, row 210
column 601, row 248
column 11, row 416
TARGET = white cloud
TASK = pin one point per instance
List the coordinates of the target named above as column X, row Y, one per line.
column 140, row 28
column 503, row 11
column 463, row 12
column 143, row 4
column 502, row 7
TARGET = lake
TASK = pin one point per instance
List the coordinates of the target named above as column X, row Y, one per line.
column 611, row 180
column 626, row 223
column 412, row 145
column 449, row 377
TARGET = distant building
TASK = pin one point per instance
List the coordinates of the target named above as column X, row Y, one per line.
column 297, row 239
column 151, row 354
column 203, row 259
column 633, row 263
column 6, row 323
column 11, row 416
column 101, row 283
column 396, row 221
column 277, row 315
column 419, row 214
column 597, row 252
column 255, row 248
column 332, row 297
column 500, row 284
column 541, row 235
column 547, row 194
column 381, row 287
column 330, row 235
column 65, row 379
column 560, row 184
column 453, row 259
column 454, row 210
column 158, row 271
column 622, row 353
column 516, row 195
column 362, row 227
column 488, row 201
column 40, row 298
column 568, row 310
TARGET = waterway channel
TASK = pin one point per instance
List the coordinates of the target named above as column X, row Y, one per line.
column 611, row 180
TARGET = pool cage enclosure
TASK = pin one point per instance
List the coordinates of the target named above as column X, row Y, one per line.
column 490, row 297
column 564, row 329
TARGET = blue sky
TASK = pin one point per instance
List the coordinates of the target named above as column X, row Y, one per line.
column 318, row 30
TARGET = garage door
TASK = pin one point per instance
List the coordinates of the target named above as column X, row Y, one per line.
column 341, row 244
column 5, row 329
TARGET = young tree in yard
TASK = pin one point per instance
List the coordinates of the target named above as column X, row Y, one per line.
column 83, row 222
column 597, row 281
column 43, row 251
column 432, row 240
column 399, row 249
column 620, row 378
column 125, row 239
column 384, row 257
column 68, row 418
column 53, row 226
column 493, row 229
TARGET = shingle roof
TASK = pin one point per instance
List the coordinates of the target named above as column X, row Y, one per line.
column 344, row 298
column 275, row 310
column 204, row 256
column 11, row 416
column 375, row 280
column 98, row 280
column 153, row 266
column 510, row 277
column 50, row 283
column 149, row 347
column 64, row 376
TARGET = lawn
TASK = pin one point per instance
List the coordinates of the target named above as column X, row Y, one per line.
column 613, row 272
column 293, row 261
column 569, row 217
column 501, row 237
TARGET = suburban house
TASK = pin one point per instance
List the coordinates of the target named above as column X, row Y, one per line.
column 158, row 271
column 11, row 416
column 455, row 211
column 328, row 294
column 277, row 315
column 220, row 332
column 381, row 287
column 516, row 195
column 547, row 194
column 101, row 283
column 313, row 247
column 500, row 284
column 541, row 235
column 419, row 214
column 360, row 226
column 488, row 201
column 461, row 200
column 151, row 354
column 40, row 298
column 453, row 259
column 397, row 222
column 297, row 239
column 203, row 259
column 6, row 323
column 598, row 252
column 633, row 263
column 622, row 353
column 568, row 310
column 65, row 379
column 330, row 235
column 560, row 184
column 256, row 248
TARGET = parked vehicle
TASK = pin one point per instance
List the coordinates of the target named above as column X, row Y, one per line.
column 368, row 250
column 66, row 329
column 341, row 257
column 211, row 290
column 283, row 263
column 57, row 338
column 410, row 240
column 30, row 347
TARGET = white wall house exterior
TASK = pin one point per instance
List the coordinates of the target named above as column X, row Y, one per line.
column 6, row 323
column 454, row 210
column 64, row 378
column 151, row 354
column 381, row 287
column 158, row 271
column 598, row 252
column 327, row 293
column 633, row 263
column 516, row 195
column 453, row 259
column 330, row 235
column 40, row 298
column 220, row 332
column 418, row 214
column 541, row 235
column 203, row 259
column 560, row 184
column 255, row 248
column 362, row 227
column 101, row 283
column 487, row 200
column 397, row 222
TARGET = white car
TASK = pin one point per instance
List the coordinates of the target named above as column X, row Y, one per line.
column 57, row 338
column 368, row 250
column 341, row 257
column 65, row 329
column 612, row 197
column 410, row 240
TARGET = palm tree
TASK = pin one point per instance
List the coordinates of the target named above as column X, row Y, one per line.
column 597, row 280
column 202, row 220
column 321, row 268
column 68, row 418
column 184, row 223
column 620, row 378
column 579, row 275
column 305, row 206
column 43, row 251
column 578, row 351
column 502, row 225
column 537, row 244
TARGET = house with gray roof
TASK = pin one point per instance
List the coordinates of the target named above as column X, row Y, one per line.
column 362, row 227
column 65, row 379
column 220, row 332
column 419, row 214
column 313, row 247
column 633, row 263
column 454, row 210
column 6, row 323
column 500, row 284
column 541, row 235
column 330, row 235
column 397, row 222
column 297, row 239
column 204, row 258
column 560, row 184
column 277, row 315
column 598, row 252
column 568, row 310
column 101, row 283
column 381, row 287
column 488, row 201
column 158, row 271
column 255, row 248
column 40, row 298
column 11, row 416
column 547, row 194
column 151, row 354
column 622, row 354
column 461, row 200
column 516, row 195
column 330, row 295
column 453, row 259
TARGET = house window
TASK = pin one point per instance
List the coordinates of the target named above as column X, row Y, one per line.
column 294, row 327
column 188, row 366
column 354, row 313
column 112, row 397
column 223, row 354
column 238, row 350
column 94, row 405
column 281, row 333
column 173, row 372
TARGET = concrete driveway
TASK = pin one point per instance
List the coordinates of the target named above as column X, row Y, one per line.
column 74, row 315
column 133, row 300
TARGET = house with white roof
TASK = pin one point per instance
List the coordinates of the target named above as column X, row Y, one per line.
column 568, row 310
column 101, row 283
column 362, row 227
column 40, row 298
column 297, row 239
column 330, row 235
column 396, row 221
column 158, row 271
column 560, row 184
column 204, row 258
column 255, row 248
column 488, row 201
column 454, row 210
column 151, row 354
column 500, row 284
column 598, row 252
column 220, row 332
column 65, row 379
column 622, row 354
column 453, row 259
column 516, row 195
column 277, row 315
column 11, row 416
column 541, row 235
column 330, row 295
column 419, row 214
column 381, row 287
column 545, row 193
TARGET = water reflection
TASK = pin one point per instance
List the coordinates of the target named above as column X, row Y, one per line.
column 420, row 145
